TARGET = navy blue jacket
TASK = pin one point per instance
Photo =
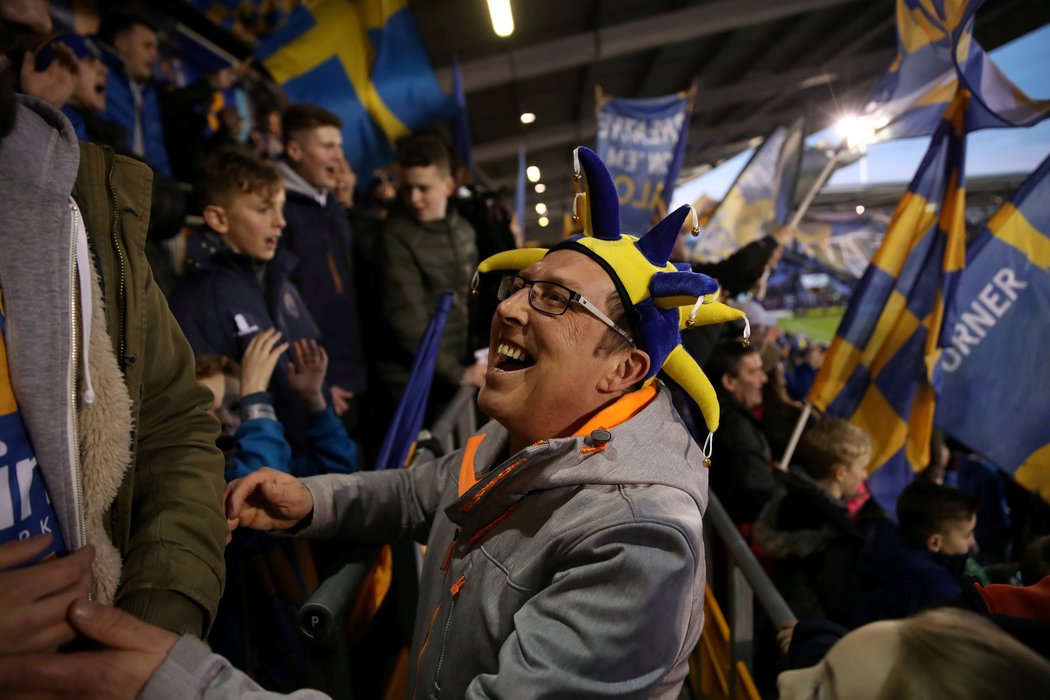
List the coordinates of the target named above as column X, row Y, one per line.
column 120, row 110
column 222, row 306
column 320, row 239
column 899, row 579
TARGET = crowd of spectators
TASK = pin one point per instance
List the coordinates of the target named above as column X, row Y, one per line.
column 304, row 294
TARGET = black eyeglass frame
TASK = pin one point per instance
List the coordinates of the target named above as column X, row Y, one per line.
column 509, row 286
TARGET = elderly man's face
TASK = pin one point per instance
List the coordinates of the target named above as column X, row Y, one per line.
column 546, row 374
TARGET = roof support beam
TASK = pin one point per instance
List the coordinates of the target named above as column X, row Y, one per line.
column 624, row 39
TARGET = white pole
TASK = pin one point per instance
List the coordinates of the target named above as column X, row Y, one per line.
column 821, row 179
column 789, row 451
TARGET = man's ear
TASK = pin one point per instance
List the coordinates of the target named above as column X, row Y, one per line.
column 630, row 370
column 837, row 472
column 215, row 217
column 934, row 542
column 294, row 150
column 729, row 382
column 450, row 185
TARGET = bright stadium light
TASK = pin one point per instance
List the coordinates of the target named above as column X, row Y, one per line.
column 533, row 173
column 541, row 208
column 857, row 130
column 527, row 117
column 502, row 17
column 544, row 222
column 860, row 209
column 540, row 188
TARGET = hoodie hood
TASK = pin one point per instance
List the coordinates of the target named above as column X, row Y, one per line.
column 295, row 182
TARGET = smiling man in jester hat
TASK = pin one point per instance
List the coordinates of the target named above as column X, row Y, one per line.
column 565, row 551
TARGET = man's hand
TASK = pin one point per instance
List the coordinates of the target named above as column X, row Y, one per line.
column 132, row 652
column 223, row 79
column 340, row 399
column 266, row 500
column 260, row 357
column 475, row 375
column 34, row 599
column 307, row 374
column 55, row 83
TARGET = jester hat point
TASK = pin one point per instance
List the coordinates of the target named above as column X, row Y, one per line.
column 660, row 297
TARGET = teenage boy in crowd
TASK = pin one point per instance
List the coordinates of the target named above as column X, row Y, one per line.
column 807, row 531
column 245, row 289
column 318, row 234
column 426, row 248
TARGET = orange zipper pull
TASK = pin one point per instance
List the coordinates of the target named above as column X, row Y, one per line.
column 458, row 586
column 451, row 548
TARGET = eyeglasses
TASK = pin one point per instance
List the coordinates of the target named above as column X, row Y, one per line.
column 554, row 299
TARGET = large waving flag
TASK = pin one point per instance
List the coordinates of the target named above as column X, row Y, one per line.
column 877, row 372
column 365, row 62
column 759, row 201
column 935, row 46
column 994, row 375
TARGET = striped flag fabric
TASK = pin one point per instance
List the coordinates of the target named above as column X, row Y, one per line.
column 878, row 370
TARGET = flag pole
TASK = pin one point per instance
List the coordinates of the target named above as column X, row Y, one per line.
column 796, row 218
column 789, row 451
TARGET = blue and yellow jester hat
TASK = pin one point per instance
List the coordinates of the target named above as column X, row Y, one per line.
column 665, row 297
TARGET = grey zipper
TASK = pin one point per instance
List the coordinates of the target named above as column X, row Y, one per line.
column 444, row 635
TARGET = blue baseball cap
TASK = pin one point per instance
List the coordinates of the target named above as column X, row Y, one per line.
column 82, row 47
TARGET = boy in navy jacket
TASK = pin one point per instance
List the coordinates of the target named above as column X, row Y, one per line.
column 245, row 289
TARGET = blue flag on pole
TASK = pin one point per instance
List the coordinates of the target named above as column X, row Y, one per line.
column 842, row 240
column 994, row 375
column 642, row 142
column 411, row 409
column 365, row 62
column 877, row 373
column 759, row 201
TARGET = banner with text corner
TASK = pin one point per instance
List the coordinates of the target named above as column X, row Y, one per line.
column 994, row 374
column 365, row 62
column 642, row 142
column 878, row 372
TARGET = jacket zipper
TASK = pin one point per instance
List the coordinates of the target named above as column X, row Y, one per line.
column 455, row 590
column 75, row 350
column 121, row 295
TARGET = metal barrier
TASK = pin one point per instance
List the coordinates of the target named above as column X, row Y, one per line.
column 746, row 581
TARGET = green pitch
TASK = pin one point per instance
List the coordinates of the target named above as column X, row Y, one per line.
column 819, row 328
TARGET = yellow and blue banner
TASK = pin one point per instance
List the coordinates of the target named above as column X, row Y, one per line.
column 878, row 370
column 994, row 374
column 842, row 240
column 759, row 201
column 365, row 62
column 936, row 51
column 642, row 143
column 250, row 19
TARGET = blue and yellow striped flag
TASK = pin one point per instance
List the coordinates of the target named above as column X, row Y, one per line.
column 878, row 370
column 935, row 46
column 994, row 375
column 365, row 62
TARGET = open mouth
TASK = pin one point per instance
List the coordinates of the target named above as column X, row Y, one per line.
column 511, row 359
column 100, row 89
